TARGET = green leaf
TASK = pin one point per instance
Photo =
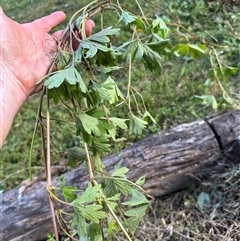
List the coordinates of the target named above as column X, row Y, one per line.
column 129, row 48
column 113, row 200
column 127, row 17
column 90, row 194
column 162, row 47
column 95, row 112
column 140, row 181
column 123, row 186
column 109, row 188
column 71, row 75
column 208, row 100
column 181, row 49
column 114, row 186
column 119, row 122
column 120, row 172
column 119, row 93
column 112, row 90
column 52, row 94
column 137, row 199
column 99, row 93
column 193, row 50
column 102, row 35
column 139, row 24
column 95, row 232
column 203, row 200
column 78, row 55
column 64, row 59
column 105, row 126
column 86, row 137
column 159, row 26
column 101, row 145
column 96, row 42
column 92, row 212
column 55, row 80
column 91, row 46
column 69, row 193
column 136, row 211
column 98, row 163
column 228, row 71
column 79, row 221
column 130, row 19
column 92, row 51
column 113, row 227
column 135, row 216
column 136, row 125
column 110, row 69
column 152, row 60
column 223, row 72
column 89, row 123
column 139, row 52
column 75, row 155
column 196, row 50
column 148, row 117
column 106, row 58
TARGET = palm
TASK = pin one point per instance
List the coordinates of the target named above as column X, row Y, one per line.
column 26, row 48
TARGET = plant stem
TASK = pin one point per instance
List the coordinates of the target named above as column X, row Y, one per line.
column 139, row 6
column 89, row 162
column 48, row 169
column 92, row 179
column 117, row 220
column 129, row 83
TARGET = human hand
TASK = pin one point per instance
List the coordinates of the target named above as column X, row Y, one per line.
column 25, row 57
column 26, row 48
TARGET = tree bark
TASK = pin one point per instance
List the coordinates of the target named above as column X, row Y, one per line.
column 170, row 160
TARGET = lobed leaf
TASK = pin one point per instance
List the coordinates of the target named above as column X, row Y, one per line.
column 193, row 50
column 148, row 117
column 89, row 123
column 100, row 144
column 127, row 17
column 136, row 125
column 152, row 60
column 90, row 195
column 119, row 122
column 137, row 198
column 123, row 186
column 112, row 90
column 159, row 26
column 75, row 155
column 208, row 100
column 102, row 34
column 135, row 216
column 70, row 75
column 120, row 172
column 69, row 193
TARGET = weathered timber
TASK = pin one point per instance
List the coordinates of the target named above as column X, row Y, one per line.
column 170, row 161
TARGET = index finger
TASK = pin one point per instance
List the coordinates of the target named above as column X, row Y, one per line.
column 50, row 21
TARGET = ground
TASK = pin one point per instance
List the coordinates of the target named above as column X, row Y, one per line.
column 178, row 217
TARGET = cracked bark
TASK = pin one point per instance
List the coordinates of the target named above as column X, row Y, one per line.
column 170, row 161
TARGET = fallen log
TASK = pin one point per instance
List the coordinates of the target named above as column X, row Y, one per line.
column 170, row 160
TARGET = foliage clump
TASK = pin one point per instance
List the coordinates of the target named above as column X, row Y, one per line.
column 105, row 96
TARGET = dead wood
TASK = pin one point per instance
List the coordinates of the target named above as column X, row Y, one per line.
column 170, row 160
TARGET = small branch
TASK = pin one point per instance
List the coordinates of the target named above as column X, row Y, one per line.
column 89, row 162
